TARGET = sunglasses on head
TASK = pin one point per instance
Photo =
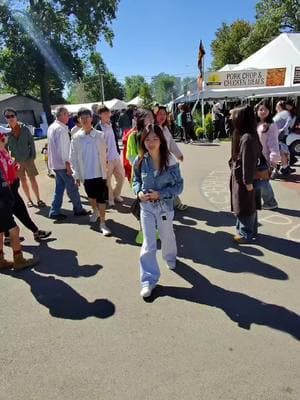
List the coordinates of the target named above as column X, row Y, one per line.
column 8, row 116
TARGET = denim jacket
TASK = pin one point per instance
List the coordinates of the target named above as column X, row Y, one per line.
column 168, row 183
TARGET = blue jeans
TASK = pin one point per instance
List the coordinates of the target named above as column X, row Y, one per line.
column 266, row 192
column 64, row 181
column 247, row 226
column 156, row 215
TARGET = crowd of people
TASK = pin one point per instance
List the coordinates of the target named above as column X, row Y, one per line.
column 89, row 155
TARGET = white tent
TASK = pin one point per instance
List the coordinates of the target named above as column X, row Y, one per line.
column 113, row 105
column 73, row 108
column 282, row 52
column 137, row 101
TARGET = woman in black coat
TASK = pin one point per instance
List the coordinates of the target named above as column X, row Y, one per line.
column 245, row 155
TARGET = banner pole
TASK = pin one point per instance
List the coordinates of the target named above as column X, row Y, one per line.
column 202, row 99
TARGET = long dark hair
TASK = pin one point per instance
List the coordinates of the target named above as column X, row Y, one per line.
column 267, row 104
column 165, row 110
column 269, row 119
column 140, row 118
column 163, row 148
column 243, row 121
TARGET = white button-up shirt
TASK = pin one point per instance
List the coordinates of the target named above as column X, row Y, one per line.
column 112, row 152
column 90, row 155
column 58, row 145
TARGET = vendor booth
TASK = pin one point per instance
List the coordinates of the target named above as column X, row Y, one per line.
column 272, row 71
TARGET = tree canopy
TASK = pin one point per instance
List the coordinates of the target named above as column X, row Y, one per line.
column 165, row 87
column 47, row 41
column 89, row 88
column 237, row 41
column 272, row 18
column 226, row 46
column 133, row 85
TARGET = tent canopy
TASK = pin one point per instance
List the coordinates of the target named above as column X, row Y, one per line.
column 116, row 105
column 113, row 105
column 137, row 101
column 282, row 52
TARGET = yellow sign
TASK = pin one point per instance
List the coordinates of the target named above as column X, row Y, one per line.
column 244, row 79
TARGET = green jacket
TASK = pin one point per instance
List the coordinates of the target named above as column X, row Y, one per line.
column 133, row 146
column 23, row 147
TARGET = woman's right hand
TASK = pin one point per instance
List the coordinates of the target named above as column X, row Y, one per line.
column 143, row 196
column 249, row 187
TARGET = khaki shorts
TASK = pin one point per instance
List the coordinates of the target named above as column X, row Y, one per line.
column 28, row 167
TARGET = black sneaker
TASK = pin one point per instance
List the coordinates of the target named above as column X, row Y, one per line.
column 291, row 170
column 58, row 217
column 40, row 235
column 82, row 213
column 285, row 171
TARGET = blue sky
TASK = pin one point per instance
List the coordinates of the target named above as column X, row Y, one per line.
column 153, row 36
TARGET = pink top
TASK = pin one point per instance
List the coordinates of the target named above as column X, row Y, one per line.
column 269, row 142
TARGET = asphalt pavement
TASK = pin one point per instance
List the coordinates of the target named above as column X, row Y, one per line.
column 224, row 325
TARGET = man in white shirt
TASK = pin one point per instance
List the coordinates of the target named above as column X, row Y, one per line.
column 88, row 158
column 58, row 160
column 114, row 167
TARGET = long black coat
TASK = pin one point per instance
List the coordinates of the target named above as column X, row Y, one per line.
column 243, row 202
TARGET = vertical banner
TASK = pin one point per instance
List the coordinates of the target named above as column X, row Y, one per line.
column 201, row 55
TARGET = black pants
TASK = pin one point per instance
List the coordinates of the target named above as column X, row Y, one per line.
column 20, row 210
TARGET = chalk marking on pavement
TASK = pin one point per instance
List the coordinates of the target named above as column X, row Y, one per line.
column 215, row 187
column 290, row 237
column 277, row 220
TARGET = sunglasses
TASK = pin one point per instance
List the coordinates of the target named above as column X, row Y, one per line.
column 9, row 116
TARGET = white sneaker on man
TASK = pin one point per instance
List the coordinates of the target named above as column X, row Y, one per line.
column 171, row 264
column 147, row 291
column 111, row 203
column 119, row 199
column 105, row 230
column 94, row 216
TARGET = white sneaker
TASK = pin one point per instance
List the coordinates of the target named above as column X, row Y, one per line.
column 105, row 230
column 146, row 291
column 94, row 216
column 119, row 199
column 171, row 264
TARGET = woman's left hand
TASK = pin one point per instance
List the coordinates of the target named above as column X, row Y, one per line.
column 153, row 196
column 249, row 187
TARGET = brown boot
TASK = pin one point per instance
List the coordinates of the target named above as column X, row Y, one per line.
column 20, row 262
column 4, row 264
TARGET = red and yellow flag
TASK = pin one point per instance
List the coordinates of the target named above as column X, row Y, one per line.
column 201, row 55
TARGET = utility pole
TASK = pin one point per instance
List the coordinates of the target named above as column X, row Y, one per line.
column 102, row 88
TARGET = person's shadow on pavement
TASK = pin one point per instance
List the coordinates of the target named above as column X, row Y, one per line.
column 61, row 299
column 191, row 215
column 60, row 262
column 239, row 307
column 217, row 250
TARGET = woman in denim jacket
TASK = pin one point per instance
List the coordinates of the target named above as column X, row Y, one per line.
column 156, row 181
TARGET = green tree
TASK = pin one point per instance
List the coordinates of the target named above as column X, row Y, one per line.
column 89, row 88
column 272, row 18
column 78, row 94
column 133, row 86
column 226, row 46
column 145, row 93
column 45, row 41
column 187, row 83
column 165, row 87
